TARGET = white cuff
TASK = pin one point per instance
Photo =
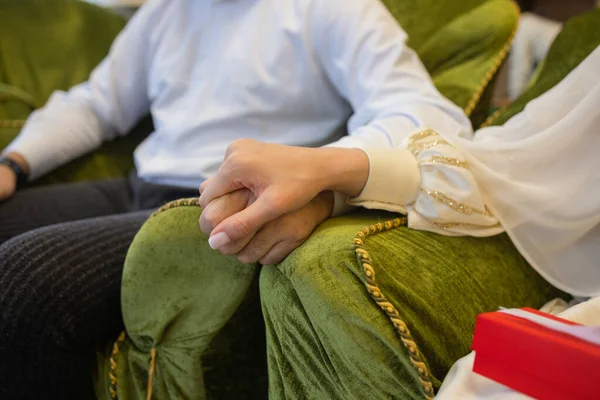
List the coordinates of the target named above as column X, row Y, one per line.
column 394, row 180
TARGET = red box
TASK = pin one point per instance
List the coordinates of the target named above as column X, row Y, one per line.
column 535, row 360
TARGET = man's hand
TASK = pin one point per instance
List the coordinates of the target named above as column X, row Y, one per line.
column 282, row 179
column 275, row 240
column 8, row 182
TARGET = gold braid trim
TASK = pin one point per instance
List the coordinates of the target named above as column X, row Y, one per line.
column 112, row 372
column 114, row 360
column 175, row 204
column 151, row 373
column 495, row 67
column 377, row 295
column 12, row 123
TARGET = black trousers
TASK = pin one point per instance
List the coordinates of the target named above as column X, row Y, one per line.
column 62, row 249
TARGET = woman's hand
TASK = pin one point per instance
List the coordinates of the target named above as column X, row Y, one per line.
column 282, row 179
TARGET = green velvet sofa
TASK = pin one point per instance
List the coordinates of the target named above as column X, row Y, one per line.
column 366, row 308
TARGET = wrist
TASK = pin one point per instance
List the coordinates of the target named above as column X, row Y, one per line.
column 341, row 169
column 16, row 164
column 20, row 160
column 324, row 202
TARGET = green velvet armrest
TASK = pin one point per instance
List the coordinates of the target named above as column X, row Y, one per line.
column 335, row 328
column 76, row 37
column 195, row 310
column 381, row 311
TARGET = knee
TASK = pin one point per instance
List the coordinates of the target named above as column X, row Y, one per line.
column 27, row 288
column 173, row 280
column 45, row 296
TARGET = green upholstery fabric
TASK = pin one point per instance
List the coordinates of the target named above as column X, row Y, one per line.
column 464, row 55
column 326, row 338
column 53, row 45
column 180, row 296
column 341, row 345
column 579, row 37
column 170, row 244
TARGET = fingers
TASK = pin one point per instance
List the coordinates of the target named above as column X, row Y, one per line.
column 245, row 222
column 223, row 207
column 278, row 253
column 229, row 247
column 217, row 186
column 235, row 170
column 272, row 243
column 204, row 185
column 260, row 244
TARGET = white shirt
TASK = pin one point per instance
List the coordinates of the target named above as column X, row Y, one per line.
column 209, row 72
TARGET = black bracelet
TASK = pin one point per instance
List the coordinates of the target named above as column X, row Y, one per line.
column 12, row 164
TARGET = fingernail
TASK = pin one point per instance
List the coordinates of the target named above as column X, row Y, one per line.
column 219, row 240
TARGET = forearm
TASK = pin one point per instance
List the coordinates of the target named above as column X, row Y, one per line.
column 113, row 99
column 63, row 130
column 340, row 169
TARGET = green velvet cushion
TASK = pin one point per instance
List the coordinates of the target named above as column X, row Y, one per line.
column 154, row 322
column 326, row 337
column 462, row 45
column 181, row 297
column 53, row 45
column 345, row 344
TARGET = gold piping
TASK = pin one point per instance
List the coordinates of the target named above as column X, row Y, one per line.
column 151, row 373
column 113, row 360
column 495, row 67
column 177, row 203
column 12, row 123
column 377, row 295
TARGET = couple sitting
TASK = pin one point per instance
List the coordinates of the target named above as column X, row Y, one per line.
column 408, row 150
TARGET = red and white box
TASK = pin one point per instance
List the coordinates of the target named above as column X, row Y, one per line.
column 537, row 354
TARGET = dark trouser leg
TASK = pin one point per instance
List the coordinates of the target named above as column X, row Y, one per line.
column 59, row 296
column 60, row 284
column 42, row 206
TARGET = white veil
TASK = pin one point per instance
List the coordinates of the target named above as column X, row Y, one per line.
column 540, row 175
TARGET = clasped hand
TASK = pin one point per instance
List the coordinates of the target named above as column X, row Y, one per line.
column 264, row 201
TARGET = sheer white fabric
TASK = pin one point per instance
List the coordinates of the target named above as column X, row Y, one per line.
column 540, row 176
column 449, row 199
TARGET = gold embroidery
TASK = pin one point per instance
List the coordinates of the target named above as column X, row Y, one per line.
column 421, row 135
column 455, row 162
column 449, row 225
column 454, row 204
column 417, row 148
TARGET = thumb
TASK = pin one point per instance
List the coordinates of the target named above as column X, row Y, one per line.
column 244, row 223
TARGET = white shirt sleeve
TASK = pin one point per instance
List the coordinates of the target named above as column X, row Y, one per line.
column 363, row 51
column 444, row 198
column 114, row 98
